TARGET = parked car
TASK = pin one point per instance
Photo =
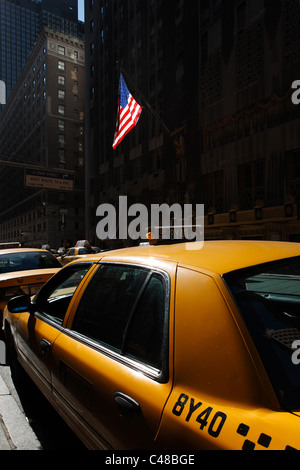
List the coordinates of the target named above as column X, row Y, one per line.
column 169, row 347
column 24, row 271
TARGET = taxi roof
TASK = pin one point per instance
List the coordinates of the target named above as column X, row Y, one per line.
column 7, row 251
column 218, row 256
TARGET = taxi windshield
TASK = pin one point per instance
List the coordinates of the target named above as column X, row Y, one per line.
column 20, row 261
column 268, row 297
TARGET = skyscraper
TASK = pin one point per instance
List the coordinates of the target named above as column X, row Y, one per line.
column 42, row 125
column 21, row 21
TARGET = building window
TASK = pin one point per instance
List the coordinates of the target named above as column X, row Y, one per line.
column 61, row 65
column 61, row 124
column 61, row 80
column 61, row 94
column 61, row 50
column 61, row 109
column 62, row 139
column 62, row 156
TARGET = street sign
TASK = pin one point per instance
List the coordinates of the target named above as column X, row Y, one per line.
column 49, row 179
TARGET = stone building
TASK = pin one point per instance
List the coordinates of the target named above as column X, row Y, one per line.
column 42, row 145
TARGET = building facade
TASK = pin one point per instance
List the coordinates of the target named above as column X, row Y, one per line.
column 42, row 128
column 221, row 127
column 153, row 43
column 249, row 57
column 21, row 21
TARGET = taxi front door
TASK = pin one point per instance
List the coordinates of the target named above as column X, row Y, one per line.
column 115, row 400
column 35, row 338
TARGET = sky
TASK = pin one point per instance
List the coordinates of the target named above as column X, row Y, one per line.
column 81, row 10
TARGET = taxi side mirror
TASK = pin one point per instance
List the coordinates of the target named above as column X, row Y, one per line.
column 19, row 304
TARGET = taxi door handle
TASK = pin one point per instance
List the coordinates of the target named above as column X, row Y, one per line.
column 126, row 405
column 45, row 346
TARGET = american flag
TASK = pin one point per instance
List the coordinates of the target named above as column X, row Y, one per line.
column 128, row 113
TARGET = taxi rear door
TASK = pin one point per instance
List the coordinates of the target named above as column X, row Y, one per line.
column 112, row 373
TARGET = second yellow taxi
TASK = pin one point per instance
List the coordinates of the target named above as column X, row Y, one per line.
column 24, row 271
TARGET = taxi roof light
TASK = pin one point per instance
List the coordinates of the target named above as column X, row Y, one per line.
column 4, row 246
column 167, row 234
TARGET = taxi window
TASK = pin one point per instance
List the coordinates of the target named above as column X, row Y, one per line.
column 145, row 336
column 268, row 297
column 124, row 308
column 54, row 298
column 23, row 261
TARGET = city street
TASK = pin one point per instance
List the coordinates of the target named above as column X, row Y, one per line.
column 50, row 430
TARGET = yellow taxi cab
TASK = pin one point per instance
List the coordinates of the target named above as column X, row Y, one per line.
column 187, row 346
column 72, row 254
column 80, row 250
column 24, row 271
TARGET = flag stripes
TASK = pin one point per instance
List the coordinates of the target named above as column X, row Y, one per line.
column 128, row 113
